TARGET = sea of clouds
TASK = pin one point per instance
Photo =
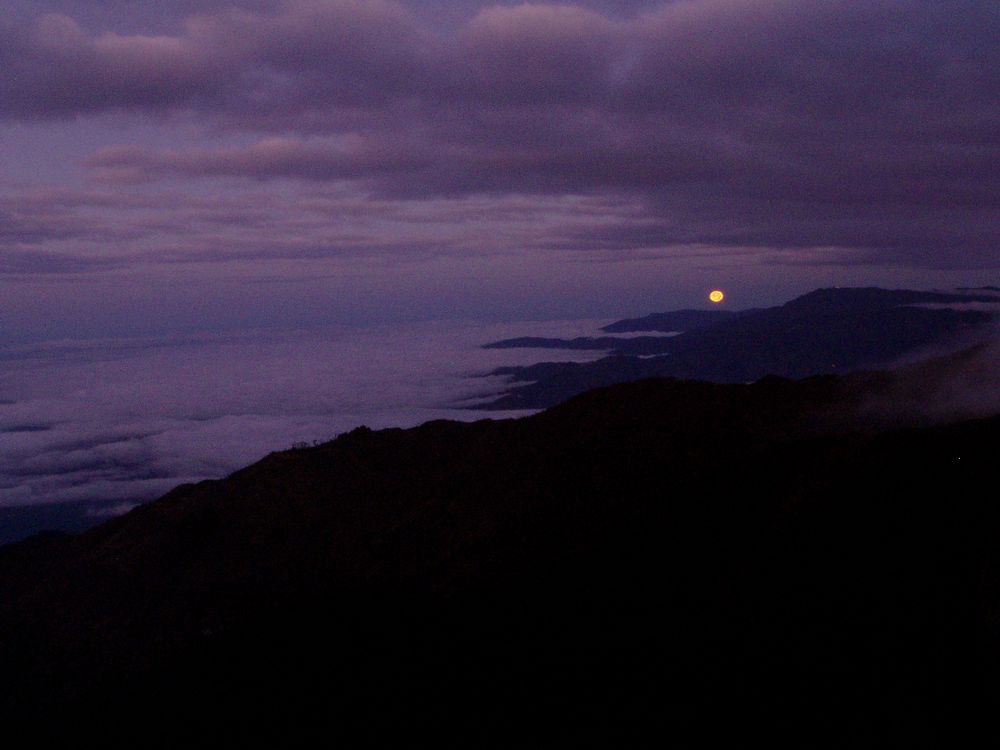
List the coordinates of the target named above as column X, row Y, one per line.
column 107, row 424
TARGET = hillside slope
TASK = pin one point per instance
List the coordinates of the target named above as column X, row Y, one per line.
column 661, row 562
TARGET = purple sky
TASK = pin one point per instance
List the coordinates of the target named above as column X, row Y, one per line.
column 202, row 165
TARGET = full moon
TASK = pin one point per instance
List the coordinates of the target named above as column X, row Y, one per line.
column 717, row 296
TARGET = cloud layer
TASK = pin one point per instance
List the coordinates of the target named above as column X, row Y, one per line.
column 123, row 421
column 867, row 130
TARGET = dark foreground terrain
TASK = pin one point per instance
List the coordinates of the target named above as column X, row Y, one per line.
column 663, row 563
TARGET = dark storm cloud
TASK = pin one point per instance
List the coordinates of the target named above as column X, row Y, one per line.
column 16, row 229
column 235, row 60
column 865, row 127
column 22, row 237
column 270, row 158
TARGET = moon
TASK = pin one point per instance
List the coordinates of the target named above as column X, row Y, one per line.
column 716, row 296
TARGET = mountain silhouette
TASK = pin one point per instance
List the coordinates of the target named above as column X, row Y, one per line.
column 676, row 320
column 825, row 331
column 661, row 562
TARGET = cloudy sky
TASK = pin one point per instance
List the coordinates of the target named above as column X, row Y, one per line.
column 205, row 165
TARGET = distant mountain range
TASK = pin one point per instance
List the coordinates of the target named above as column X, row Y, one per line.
column 825, row 331
column 810, row 563
column 678, row 320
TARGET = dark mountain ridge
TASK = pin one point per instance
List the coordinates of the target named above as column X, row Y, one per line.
column 825, row 331
column 668, row 322
column 658, row 562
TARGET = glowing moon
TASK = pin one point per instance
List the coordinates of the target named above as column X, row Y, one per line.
column 717, row 296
